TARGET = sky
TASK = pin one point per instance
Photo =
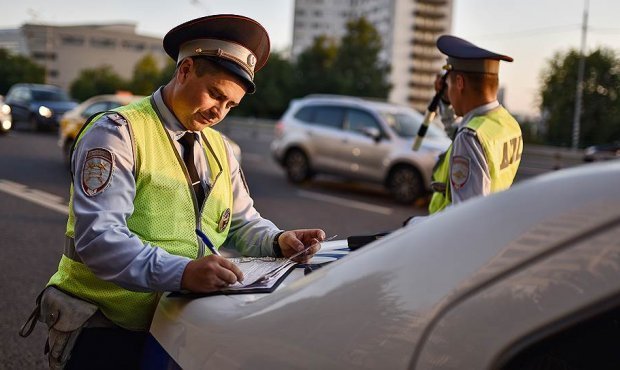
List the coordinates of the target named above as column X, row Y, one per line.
column 531, row 31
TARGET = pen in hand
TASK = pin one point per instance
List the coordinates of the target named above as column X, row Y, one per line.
column 206, row 240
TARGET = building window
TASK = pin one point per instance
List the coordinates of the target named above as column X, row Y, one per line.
column 44, row 55
column 72, row 40
column 133, row 45
column 52, row 73
column 103, row 43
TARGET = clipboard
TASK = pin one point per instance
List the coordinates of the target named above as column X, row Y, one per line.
column 257, row 287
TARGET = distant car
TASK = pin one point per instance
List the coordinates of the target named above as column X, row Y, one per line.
column 73, row 120
column 528, row 278
column 602, row 152
column 357, row 139
column 6, row 121
column 41, row 106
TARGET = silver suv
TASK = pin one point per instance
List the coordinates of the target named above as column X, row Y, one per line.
column 357, row 139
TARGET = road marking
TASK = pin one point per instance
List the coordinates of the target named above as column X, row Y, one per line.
column 345, row 202
column 47, row 200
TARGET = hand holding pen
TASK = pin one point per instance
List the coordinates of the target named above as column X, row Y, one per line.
column 209, row 273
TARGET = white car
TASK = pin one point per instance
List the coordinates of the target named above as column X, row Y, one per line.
column 528, row 278
column 358, row 139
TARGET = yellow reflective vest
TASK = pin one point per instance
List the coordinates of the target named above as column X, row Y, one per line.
column 500, row 136
column 163, row 208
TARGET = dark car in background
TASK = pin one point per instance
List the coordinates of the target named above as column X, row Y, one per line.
column 40, row 106
column 602, row 152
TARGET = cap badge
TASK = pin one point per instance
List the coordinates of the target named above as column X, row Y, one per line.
column 251, row 60
column 224, row 219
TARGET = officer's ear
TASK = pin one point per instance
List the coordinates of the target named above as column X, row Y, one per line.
column 184, row 69
column 459, row 81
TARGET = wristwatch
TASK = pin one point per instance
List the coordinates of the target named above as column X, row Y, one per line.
column 276, row 246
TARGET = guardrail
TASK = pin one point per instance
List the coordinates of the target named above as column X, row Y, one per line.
column 536, row 159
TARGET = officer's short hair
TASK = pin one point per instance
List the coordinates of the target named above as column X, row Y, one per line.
column 479, row 82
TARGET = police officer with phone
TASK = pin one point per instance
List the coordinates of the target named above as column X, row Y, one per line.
column 487, row 146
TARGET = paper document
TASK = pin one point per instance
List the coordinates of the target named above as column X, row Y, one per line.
column 260, row 271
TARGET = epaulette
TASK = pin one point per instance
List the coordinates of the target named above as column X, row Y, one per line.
column 118, row 119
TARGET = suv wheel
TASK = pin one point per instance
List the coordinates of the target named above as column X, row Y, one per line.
column 297, row 166
column 405, row 184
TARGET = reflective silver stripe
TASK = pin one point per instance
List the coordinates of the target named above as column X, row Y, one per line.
column 70, row 252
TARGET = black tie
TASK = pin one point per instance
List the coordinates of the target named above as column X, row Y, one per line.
column 187, row 141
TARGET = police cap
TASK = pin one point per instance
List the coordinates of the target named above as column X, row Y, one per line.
column 237, row 43
column 463, row 56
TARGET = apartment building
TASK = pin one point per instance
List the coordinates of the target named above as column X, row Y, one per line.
column 409, row 29
column 66, row 50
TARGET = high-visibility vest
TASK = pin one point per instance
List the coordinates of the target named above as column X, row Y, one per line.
column 163, row 210
column 500, row 136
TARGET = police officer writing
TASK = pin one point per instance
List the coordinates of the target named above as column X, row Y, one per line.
column 487, row 146
column 145, row 177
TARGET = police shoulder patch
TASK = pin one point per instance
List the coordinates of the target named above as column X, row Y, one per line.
column 97, row 171
column 459, row 171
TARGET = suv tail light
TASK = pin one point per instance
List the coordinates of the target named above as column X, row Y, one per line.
column 279, row 129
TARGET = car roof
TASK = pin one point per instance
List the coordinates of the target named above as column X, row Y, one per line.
column 39, row 86
column 370, row 103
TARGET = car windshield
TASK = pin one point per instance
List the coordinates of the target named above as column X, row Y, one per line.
column 49, row 95
column 406, row 124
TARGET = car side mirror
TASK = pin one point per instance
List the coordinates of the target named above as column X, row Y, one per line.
column 371, row 132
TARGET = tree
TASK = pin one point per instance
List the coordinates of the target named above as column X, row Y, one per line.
column 166, row 73
column 274, row 88
column 313, row 72
column 600, row 119
column 357, row 68
column 96, row 81
column 146, row 76
column 17, row 68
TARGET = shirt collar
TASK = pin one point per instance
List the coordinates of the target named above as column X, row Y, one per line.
column 478, row 111
column 172, row 124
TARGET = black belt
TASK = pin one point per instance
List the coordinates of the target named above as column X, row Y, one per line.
column 69, row 250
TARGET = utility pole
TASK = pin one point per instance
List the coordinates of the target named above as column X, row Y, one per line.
column 580, row 73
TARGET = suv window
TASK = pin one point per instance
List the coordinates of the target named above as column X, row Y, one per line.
column 357, row 120
column 49, row 95
column 407, row 124
column 323, row 115
column 18, row 94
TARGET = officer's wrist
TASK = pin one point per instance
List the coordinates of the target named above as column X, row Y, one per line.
column 277, row 251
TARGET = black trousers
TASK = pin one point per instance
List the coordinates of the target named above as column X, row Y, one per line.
column 107, row 348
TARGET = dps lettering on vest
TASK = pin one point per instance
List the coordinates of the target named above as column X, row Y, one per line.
column 500, row 137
